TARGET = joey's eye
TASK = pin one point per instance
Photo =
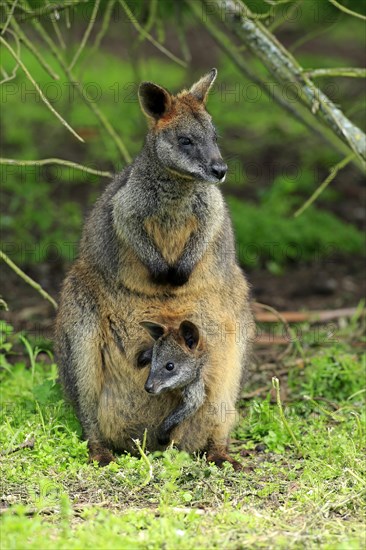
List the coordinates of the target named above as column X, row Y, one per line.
column 183, row 140
column 169, row 366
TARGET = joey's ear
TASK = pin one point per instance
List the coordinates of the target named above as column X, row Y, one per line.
column 154, row 329
column 201, row 88
column 190, row 333
column 155, row 101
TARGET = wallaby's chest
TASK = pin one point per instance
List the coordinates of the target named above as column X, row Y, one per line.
column 170, row 235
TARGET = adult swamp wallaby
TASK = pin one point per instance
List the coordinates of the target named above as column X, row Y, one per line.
column 158, row 243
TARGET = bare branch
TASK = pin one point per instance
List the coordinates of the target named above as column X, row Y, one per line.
column 86, row 34
column 10, row 15
column 43, row 97
column 60, row 38
column 14, row 71
column 91, row 105
column 151, row 18
column 299, row 112
column 349, row 72
column 333, row 172
column 60, row 162
column 105, row 24
column 285, row 68
column 50, row 8
column 27, row 279
column 347, row 10
column 150, row 38
column 31, row 47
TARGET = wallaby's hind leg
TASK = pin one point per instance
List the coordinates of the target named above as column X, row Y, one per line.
column 80, row 360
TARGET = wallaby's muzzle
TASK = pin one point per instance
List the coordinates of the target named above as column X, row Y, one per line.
column 219, row 169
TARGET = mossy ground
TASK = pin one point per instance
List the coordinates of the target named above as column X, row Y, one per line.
column 53, row 498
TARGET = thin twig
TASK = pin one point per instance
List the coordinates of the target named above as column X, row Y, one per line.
column 43, row 97
column 32, row 48
column 14, row 72
column 286, row 16
column 86, row 34
column 148, row 36
column 91, row 104
column 61, row 162
column 281, row 318
column 333, row 172
column 347, row 10
column 182, row 38
column 150, row 474
column 10, row 15
column 304, row 38
column 57, row 30
column 105, row 24
column 67, row 18
column 276, row 385
column 3, row 304
column 50, row 8
column 307, row 316
column 255, row 393
column 27, row 444
column 349, row 72
column 27, row 279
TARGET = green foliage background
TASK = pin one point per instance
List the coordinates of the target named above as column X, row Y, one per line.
column 275, row 163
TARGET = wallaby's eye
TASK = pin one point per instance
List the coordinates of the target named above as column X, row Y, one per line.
column 169, row 366
column 184, row 140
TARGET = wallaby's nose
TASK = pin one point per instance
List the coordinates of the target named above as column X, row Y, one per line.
column 219, row 170
column 149, row 387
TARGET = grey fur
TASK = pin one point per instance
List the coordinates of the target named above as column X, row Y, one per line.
column 183, row 350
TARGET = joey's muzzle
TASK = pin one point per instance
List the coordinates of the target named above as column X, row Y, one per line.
column 151, row 386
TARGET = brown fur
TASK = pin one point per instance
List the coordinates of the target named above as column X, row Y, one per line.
column 171, row 247
column 109, row 291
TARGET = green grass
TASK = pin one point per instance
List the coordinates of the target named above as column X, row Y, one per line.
column 267, row 234
column 54, row 499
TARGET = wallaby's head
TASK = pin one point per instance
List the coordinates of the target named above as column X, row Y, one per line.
column 174, row 356
column 182, row 135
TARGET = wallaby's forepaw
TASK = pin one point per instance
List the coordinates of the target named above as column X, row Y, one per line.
column 178, row 276
column 175, row 276
column 160, row 276
column 219, row 458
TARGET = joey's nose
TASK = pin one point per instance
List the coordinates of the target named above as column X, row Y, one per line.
column 219, row 170
column 149, row 387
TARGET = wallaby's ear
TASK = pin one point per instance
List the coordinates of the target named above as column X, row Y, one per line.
column 201, row 88
column 154, row 329
column 155, row 101
column 190, row 333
